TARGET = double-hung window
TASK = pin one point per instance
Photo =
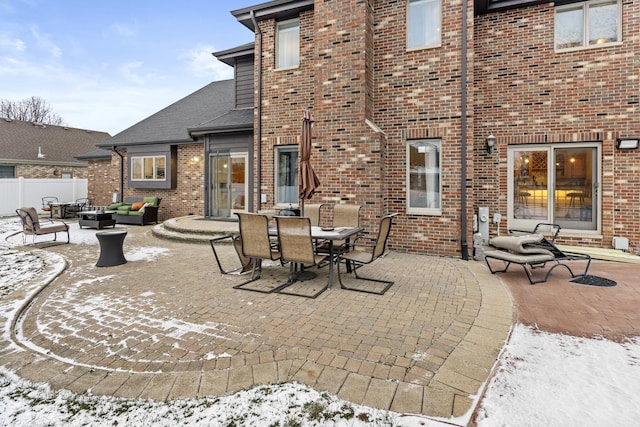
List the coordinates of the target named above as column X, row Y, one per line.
column 151, row 168
column 424, row 23
column 590, row 24
column 287, row 175
column 424, row 188
column 288, row 44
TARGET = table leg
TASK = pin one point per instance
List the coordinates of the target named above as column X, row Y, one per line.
column 330, row 264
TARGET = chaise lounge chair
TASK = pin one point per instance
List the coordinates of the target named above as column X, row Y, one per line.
column 531, row 251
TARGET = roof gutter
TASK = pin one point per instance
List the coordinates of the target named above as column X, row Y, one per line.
column 464, row 246
column 115, row 150
column 259, row 113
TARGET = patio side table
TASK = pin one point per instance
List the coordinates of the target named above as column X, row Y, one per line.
column 111, row 252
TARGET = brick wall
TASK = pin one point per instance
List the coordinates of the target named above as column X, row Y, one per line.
column 50, row 171
column 186, row 199
column 527, row 93
column 417, row 95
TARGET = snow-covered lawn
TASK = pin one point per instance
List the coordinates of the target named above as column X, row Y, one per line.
column 542, row 380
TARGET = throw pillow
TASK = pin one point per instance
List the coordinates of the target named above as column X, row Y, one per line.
column 136, row 206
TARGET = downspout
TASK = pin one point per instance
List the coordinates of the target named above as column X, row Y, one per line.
column 259, row 112
column 121, row 172
column 464, row 247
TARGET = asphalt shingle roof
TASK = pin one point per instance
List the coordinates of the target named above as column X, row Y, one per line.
column 171, row 124
column 19, row 140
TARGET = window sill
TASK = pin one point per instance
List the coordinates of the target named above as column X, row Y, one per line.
column 594, row 46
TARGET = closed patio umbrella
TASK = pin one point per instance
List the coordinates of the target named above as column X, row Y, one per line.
column 307, row 179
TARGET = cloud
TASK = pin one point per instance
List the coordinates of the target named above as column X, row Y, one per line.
column 12, row 43
column 201, row 63
column 44, row 43
column 123, row 30
column 134, row 72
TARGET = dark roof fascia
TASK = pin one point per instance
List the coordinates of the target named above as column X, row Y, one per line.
column 229, row 56
column 100, row 154
column 199, row 131
column 482, row 7
column 138, row 144
column 277, row 9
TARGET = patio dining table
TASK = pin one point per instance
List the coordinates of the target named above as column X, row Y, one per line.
column 61, row 209
column 330, row 234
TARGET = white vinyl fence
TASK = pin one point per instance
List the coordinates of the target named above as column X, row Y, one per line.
column 28, row 192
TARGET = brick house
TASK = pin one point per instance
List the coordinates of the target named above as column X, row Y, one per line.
column 36, row 150
column 399, row 129
column 406, row 97
column 185, row 151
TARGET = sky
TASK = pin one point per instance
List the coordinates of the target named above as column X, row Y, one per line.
column 106, row 65
column 541, row 379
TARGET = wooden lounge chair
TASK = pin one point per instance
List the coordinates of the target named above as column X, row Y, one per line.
column 32, row 226
column 296, row 246
column 531, row 251
column 361, row 255
column 256, row 246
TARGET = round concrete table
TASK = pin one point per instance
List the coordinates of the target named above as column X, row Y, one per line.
column 111, row 248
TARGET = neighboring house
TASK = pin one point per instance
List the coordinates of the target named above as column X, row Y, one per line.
column 406, row 99
column 195, row 154
column 36, row 150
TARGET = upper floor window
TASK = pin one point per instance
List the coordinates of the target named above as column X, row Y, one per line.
column 152, row 168
column 424, row 23
column 287, row 175
column 424, row 195
column 588, row 24
column 288, row 44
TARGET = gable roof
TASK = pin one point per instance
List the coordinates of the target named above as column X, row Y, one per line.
column 20, row 142
column 171, row 124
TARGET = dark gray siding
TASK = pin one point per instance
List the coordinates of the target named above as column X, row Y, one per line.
column 244, row 83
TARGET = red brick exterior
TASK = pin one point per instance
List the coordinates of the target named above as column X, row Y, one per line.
column 355, row 66
column 186, row 199
column 526, row 94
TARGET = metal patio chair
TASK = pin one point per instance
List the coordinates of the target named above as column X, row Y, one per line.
column 297, row 248
column 361, row 254
column 31, row 225
column 256, row 246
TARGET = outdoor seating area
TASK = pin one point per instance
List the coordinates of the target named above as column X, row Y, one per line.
column 306, row 248
column 65, row 210
column 136, row 210
column 532, row 251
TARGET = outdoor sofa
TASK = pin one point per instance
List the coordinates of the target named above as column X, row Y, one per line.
column 136, row 210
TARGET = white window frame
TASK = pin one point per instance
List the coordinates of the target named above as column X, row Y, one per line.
column 154, row 168
column 278, row 198
column 433, row 202
column 584, row 9
column 282, row 30
column 529, row 224
column 419, row 23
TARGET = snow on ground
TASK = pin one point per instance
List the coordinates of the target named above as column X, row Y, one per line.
column 542, row 379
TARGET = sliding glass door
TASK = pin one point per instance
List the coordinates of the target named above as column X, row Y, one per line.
column 557, row 184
